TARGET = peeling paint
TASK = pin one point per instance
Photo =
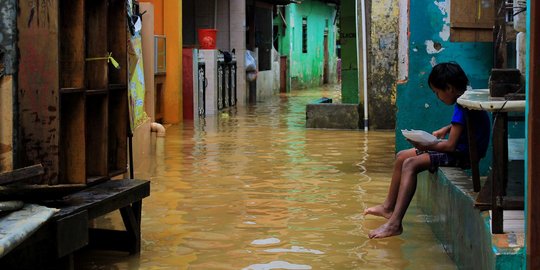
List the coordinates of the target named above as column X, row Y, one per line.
column 433, row 61
column 433, row 47
column 445, row 31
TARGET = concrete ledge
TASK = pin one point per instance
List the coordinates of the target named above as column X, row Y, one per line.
column 333, row 115
column 447, row 199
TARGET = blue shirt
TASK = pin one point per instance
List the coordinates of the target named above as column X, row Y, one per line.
column 482, row 124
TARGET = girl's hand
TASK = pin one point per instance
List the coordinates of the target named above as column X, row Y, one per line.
column 441, row 133
column 419, row 146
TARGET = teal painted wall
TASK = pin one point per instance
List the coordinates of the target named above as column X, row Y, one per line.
column 349, row 66
column 418, row 107
column 465, row 232
column 306, row 69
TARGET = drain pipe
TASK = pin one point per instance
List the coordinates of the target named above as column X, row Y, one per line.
column 364, row 57
column 158, row 128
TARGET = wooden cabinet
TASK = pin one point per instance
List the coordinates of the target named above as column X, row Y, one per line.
column 72, row 102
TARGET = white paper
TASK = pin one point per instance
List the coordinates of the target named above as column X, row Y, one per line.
column 419, row 136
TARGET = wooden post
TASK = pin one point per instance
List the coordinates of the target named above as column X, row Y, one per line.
column 499, row 35
column 533, row 148
column 500, row 171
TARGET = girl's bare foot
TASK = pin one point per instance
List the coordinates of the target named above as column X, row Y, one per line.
column 386, row 230
column 379, row 211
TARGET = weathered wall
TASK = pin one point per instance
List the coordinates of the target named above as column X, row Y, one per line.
column 8, row 54
column 383, row 64
column 268, row 81
column 306, row 69
column 428, row 44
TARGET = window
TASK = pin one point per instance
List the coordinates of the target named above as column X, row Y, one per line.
column 304, row 35
column 471, row 20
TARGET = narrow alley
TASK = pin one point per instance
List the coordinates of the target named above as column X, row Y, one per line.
column 252, row 188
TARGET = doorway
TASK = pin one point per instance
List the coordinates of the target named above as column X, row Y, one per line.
column 325, row 63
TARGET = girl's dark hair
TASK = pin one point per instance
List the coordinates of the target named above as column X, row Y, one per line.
column 448, row 74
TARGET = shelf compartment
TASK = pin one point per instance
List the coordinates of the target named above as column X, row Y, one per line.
column 71, row 32
column 71, row 144
column 96, row 44
column 117, row 40
column 117, row 86
column 118, row 130
column 96, row 136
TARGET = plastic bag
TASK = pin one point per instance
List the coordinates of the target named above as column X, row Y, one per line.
column 251, row 64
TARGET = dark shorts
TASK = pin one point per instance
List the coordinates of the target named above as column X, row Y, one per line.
column 441, row 159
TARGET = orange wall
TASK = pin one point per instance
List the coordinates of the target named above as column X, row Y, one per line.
column 168, row 22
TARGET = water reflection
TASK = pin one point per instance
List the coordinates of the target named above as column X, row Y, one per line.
column 251, row 188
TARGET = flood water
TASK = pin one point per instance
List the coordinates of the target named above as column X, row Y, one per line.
column 252, row 188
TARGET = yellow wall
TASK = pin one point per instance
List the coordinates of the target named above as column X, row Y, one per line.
column 168, row 21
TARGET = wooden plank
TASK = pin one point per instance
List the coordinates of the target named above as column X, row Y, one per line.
column 71, row 233
column 38, row 86
column 533, row 148
column 37, row 193
column 500, row 174
column 25, row 173
column 469, row 25
column 105, row 197
column 473, row 153
column 513, row 203
column 133, row 228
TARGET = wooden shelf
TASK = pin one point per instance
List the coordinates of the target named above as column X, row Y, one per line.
column 97, row 92
column 79, row 130
column 71, row 90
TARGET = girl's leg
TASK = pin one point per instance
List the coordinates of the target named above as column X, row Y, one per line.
column 387, row 207
column 411, row 167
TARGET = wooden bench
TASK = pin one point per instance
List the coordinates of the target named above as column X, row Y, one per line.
column 68, row 230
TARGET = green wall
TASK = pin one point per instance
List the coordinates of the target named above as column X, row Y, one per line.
column 349, row 66
column 306, row 69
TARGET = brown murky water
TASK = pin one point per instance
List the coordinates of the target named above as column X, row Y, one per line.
column 253, row 189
